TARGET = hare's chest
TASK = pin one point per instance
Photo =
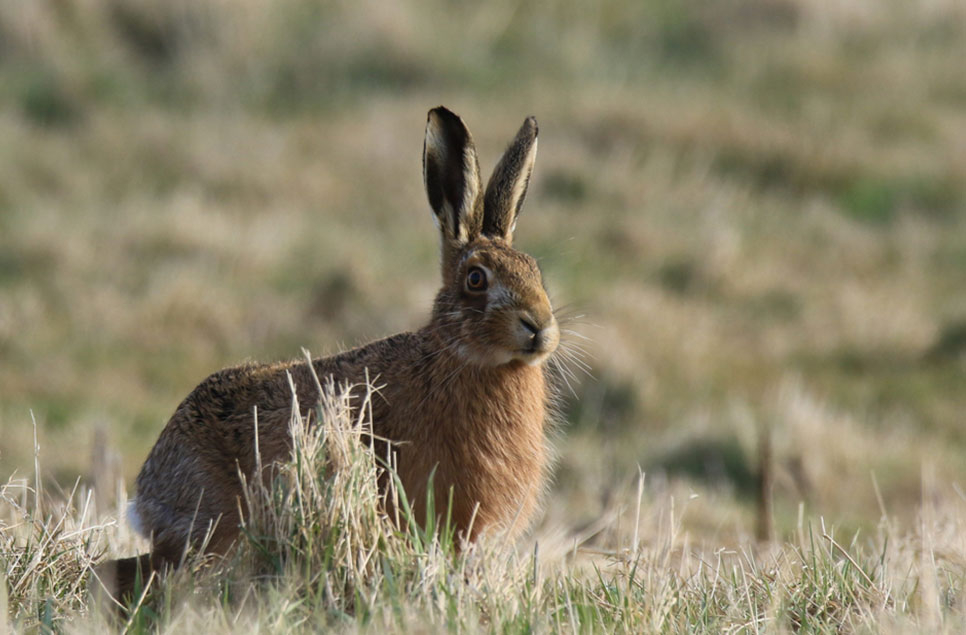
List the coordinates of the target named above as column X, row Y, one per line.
column 505, row 473
column 482, row 443
column 494, row 464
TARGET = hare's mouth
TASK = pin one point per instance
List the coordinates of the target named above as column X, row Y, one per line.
column 539, row 346
column 533, row 357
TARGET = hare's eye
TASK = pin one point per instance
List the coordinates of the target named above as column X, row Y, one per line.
column 476, row 279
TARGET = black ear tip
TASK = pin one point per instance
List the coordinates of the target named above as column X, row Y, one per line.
column 443, row 113
column 445, row 122
column 530, row 126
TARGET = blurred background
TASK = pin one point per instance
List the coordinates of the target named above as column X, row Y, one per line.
column 757, row 207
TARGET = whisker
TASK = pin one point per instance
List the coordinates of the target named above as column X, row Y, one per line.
column 576, row 348
column 564, row 374
column 569, row 360
column 576, row 334
column 576, row 359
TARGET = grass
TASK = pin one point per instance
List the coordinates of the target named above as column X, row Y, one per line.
column 756, row 207
column 317, row 553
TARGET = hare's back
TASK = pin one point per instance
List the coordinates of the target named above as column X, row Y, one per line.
column 191, row 475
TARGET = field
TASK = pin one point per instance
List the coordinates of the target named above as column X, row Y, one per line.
column 756, row 212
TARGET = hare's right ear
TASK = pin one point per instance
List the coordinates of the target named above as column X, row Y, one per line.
column 508, row 185
column 452, row 177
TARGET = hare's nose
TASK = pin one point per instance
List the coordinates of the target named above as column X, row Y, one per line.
column 532, row 328
column 537, row 334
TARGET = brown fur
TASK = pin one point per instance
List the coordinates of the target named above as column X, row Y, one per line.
column 465, row 396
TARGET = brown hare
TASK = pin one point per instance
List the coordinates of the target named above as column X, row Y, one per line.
column 465, row 398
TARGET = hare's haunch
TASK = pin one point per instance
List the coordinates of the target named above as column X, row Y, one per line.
column 465, row 398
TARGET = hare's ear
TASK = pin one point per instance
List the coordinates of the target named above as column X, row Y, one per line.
column 508, row 185
column 452, row 177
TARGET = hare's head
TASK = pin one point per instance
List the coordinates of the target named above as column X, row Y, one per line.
column 492, row 303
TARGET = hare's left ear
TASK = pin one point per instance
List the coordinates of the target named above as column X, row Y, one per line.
column 508, row 185
column 452, row 176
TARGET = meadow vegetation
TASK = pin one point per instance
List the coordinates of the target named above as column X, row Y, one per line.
column 757, row 208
